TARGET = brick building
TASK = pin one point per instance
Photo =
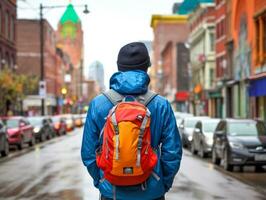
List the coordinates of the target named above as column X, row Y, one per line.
column 28, row 59
column 8, row 15
column 69, row 38
column 169, row 30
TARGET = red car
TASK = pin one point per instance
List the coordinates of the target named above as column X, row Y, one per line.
column 19, row 131
column 59, row 124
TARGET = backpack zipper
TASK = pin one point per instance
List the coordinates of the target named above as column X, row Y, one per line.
column 107, row 147
column 117, row 146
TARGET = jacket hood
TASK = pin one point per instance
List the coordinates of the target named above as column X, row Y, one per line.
column 130, row 82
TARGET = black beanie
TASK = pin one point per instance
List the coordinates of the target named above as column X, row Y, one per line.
column 133, row 56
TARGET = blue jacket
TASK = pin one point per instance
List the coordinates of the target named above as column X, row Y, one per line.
column 165, row 137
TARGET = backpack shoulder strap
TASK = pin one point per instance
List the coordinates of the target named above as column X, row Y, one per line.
column 146, row 98
column 113, row 96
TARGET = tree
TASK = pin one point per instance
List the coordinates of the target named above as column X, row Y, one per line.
column 13, row 88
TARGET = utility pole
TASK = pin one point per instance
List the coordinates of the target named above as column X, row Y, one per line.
column 42, row 57
column 42, row 72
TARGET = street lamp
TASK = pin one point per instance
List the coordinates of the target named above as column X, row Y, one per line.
column 86, row 11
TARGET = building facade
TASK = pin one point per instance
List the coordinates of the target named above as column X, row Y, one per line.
column 202, row 58
column 8, row 15
column 257, row 86
column 169, row 30
column 28, row 61
column 69, row 38
column 218, row 95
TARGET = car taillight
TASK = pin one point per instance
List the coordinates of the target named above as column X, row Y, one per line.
column 57, row 126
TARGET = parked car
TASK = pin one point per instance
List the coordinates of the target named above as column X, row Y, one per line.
column 186, row 128
column 20, row 131
column 70, row 122
column 83, row 117
column 41, row 128
column 78, row 120
column 179, row 116
column 4, row 146
column 51, row 126
column 239, row 142
column 202, row 138
column 59, row 124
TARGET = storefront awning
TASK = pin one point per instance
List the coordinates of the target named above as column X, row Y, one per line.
column 257, row 87
column 182, row 96
column 215, row 94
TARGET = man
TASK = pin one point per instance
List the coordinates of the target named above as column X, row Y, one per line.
column 132, row 79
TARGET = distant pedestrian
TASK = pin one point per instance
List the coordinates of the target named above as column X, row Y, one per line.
column 131, row 145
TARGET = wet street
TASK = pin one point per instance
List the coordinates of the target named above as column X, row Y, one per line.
column 54, row 170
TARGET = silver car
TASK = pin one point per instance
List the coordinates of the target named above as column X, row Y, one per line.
column 202, row 138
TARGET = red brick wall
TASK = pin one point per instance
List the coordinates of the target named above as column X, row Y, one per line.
column 168, row 65
column 28, row 45
column 164, row 33
column 74, row 48
column 208, row 16
column 220, row 21
column 8, row 42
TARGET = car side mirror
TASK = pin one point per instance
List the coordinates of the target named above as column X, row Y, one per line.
column 197, row 130
column 181, row 126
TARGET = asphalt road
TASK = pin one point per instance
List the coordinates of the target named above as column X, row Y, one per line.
column 54, row 170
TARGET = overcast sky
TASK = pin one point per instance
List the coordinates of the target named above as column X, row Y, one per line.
column 110, row 25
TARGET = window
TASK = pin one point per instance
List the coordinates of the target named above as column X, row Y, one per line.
column 212, row 42
column 264, row 36
column 246, row 129
column 217, row 30
column 260, row 26
column 7, row 60
column 210, row 126
column 0, row 59
column 6, row 24
column 12, row 29
column 257, row 40
column 0, row 20
column 211, row 76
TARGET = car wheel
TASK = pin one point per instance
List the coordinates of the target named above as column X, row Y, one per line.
column 202, row 154
column 5, row 152
column 193, row 149
column 226, row 164
column 20, row 145
column 259, row 168
column 32, row 142
column 49, row 136
column 215, row 159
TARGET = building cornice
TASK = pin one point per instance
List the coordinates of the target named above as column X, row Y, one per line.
column 182, row 19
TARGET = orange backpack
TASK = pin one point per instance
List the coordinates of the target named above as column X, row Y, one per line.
column 125, row 155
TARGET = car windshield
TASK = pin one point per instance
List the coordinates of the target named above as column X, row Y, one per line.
column 56, row 119
column 190, row 123
column 12, row 123
column 35, row 121
column 210, row 126
column 247, row 129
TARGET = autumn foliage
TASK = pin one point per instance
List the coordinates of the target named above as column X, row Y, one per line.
column 14, row 87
